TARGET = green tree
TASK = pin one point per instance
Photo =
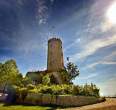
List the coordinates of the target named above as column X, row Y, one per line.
column 8, row 73
column 25, row 81
column 72, row 70
column 65, row 76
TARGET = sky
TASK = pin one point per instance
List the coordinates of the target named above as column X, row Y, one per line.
column 87, row 29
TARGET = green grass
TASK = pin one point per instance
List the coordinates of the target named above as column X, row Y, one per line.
column 22, row 107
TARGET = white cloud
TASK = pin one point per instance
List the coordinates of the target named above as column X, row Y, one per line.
column 72, row 44
column 42, row 11
column 89, row 76
column 108, row 60
column 105, row 26
column 92, row 47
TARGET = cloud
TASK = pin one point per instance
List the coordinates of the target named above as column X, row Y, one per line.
column 77, row 41
column 95, row 34
column 89, row 76
column 105, row 26
column 108, row 60
column 93, row 46
column 52, row 1
column 42, row 15
column 107, row 88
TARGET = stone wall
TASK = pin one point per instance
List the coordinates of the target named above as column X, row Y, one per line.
column 61, row 100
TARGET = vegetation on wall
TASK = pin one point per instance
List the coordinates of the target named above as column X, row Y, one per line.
column 91, row 90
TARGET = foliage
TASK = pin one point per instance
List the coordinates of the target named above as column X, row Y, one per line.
column 72, row 70
column 46, row 90
column 25, row 81
column 86, row 90
column 23, row 93
column 30, row 86
column 46, row 80
column 8, row 73
column 65, row 76
column 76, row 90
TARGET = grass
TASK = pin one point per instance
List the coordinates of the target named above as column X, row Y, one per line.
column 23, row 107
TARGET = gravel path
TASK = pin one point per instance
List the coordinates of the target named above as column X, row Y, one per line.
column 109, row 104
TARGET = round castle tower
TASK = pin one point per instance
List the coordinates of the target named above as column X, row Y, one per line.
column 55, row 55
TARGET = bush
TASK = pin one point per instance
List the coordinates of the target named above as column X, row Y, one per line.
column 23, row 93
column 75, row 90
column 30, row 86
column 57, row 90
column 46, row 80
column 96, row 92
column 68, row 89
column 46, row 90
column 86, row 90
column 33, row 91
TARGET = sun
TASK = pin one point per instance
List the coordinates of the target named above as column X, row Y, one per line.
column 111, row 13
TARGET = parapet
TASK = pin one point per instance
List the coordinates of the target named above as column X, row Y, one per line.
column 54, row 39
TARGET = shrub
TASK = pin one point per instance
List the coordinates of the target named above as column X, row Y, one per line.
column 46, row 80
column 57, row 90
column 64, row 76
column 33, row 91
column 86, row 90
column 96, row 92
column 75, row 90
column 68, row 89
column 23, row 93
column 46, row 90
column 30, row 86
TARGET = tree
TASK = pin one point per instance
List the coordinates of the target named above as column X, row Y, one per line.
column 64, row 76
column 8, row 73
column 25, row 81
column 72, row 70
column 46, row 80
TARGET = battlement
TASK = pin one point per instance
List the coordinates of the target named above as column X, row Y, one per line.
column 54, row 39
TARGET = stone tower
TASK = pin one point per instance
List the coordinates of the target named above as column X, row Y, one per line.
column 55, row 55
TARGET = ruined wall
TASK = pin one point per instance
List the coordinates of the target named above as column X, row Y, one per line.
column 55, row 55
column 59, row 100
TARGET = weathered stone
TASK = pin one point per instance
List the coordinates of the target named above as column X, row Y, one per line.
column 55, row 55
column 59, row 100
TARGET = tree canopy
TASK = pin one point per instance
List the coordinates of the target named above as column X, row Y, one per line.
column 8, row 73
column 72, row 70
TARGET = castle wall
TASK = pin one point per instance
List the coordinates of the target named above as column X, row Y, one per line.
column 55, row 55
column 59, row 100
